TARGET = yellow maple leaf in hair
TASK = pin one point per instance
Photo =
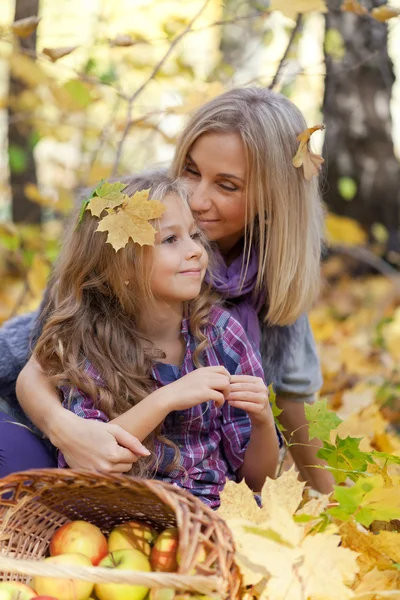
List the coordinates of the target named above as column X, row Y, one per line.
column 131, row 219
column 306, row 159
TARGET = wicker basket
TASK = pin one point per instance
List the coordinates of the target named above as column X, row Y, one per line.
column 34, row 504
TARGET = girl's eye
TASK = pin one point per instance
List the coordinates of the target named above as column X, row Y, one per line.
column 170, row 239
column 191, row 170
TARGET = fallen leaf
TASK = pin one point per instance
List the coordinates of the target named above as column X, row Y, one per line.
column 379, row 584
column 25, row 27
column 354, row 7
column 56, row 53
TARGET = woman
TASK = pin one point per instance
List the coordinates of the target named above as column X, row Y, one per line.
column 265, row 220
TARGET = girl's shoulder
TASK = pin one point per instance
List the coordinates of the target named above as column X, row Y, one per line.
column 222, row 326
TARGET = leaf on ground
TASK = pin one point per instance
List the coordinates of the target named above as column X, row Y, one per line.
column 370, row 499
column 55, row 53
column 237, row 502
column 24, row 27
column 345, row 458
column 354, row 7
column 321, row 420
column 375, row 582
column 286, row 491
column 357, row 538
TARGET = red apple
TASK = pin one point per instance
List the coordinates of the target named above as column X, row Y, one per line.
column 200, row 558
column 16, row 590
column 64, row 589
column 132, row 534
column 163, row 555
column 45, row 598
column 79, row 537
column 130, row 560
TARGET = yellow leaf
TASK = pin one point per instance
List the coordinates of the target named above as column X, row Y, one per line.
column 56, row 53
column 388, row 542
column 286, row 492
column 237, row 502
column 342, row 230
column 355, row 537
column 26, row 69
column 354, row 7
column 291, row 8
column 131, row 221
column 384, row 13
column 24, row 27
column 303, row 157
column 123, row 40
column 109, row 195
column 377, row 581
column 38, row 275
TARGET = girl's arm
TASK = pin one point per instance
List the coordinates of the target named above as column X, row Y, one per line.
column 91, row 445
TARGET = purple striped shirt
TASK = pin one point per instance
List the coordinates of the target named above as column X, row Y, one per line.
column 212, row 440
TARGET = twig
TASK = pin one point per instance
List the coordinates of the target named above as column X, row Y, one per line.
column 154, row 72
column 299, row 20
column 366, row 256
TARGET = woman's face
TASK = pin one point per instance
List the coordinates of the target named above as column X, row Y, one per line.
column 215, row 168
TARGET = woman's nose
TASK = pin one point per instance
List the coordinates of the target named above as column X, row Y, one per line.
column 200, row 199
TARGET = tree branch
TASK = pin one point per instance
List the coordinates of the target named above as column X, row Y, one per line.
column 299, row 21
column 154, row 72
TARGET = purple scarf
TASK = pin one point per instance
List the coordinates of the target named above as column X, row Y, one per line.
column 241, row 301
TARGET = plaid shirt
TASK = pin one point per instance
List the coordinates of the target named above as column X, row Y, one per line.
column 212, row 440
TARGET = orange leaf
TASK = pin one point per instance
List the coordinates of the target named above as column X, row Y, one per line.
column 384, row 13
column 310, row 161
column 24, row 27
column 354, row 7
column 56, row 53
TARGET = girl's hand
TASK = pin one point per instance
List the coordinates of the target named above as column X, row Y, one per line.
column 97, row 446
column 201, row 385
column 251, row 394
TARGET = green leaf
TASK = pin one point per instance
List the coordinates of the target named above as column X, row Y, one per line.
column 345, row 458
column 370, row 499
column 321, row 421
column 79, row 92
column 110, row 191
column 18, row 159
column 276, row 411
column 347, row 188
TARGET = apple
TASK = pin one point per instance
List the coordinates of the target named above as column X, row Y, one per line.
column 200, row 558
column 64, row 589
column 132, row 534
column 130, row 560
column 16, row 590
column 45, row 598
column 163, row 555
column 79, row 537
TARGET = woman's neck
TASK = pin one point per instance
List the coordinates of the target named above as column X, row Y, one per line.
column 229, row 254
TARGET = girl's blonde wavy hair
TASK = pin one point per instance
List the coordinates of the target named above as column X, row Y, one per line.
column 95, row 302
column 283, row 211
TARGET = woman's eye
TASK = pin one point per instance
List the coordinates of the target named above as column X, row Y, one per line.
column 229, row 188
column 191, row 170
column 170, row 239
column 197, row 236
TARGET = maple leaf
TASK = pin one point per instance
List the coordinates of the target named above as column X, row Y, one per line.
column 56, row 53
column 276, row 411
column 379, row 584
column 345, row 458
column 24, row 27
column 370, row 499
column 384, row 13
column 321, row 421
column 354, row 7
column 303, row 157
column 130, row 220
column 105, row 196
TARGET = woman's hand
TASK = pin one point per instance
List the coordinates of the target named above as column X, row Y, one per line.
column 96, row 446
column 251, row 394
column 201, row 385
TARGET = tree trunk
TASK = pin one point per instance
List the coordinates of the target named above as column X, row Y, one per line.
column 20, row 134
column 362, row 172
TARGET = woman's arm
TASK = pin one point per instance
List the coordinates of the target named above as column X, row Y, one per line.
column 104, row 447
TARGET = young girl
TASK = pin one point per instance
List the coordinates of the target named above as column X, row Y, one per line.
column 264, row 219
column 134, row 338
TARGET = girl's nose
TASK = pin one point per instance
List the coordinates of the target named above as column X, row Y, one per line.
column 200, row 199
column 194, row 249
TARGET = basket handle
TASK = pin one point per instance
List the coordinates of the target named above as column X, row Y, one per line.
column 194, row 583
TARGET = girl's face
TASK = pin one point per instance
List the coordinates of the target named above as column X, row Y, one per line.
column 180, row 259
column 215, row 167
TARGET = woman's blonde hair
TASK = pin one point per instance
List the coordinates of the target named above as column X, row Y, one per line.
column 96, row 300
column 283, row 211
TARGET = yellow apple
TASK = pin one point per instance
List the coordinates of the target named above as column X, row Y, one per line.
column 200, row 558
column 162, row 594
column 79, row 537
column 129, row 560
column 64, row 589
column 163, row 554
column 132, row 534
column 10, row 590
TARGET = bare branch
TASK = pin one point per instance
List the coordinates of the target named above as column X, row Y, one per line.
column 299, row 21
column 154, row 72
